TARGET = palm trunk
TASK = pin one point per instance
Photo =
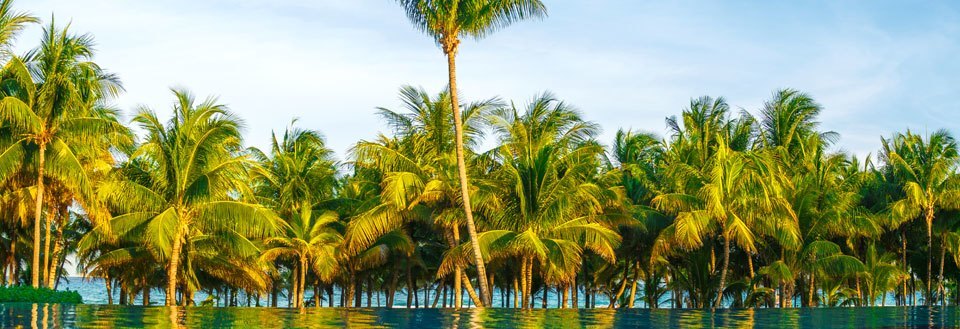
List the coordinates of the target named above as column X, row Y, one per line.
column 172, row 268
column 943, row 255
column 470, row 292
column 529, row 278
column 52, row 278
column 46, row 247
column 451, row 52
column 351, row 289
column 543, row 302
column 623, row 286
column 633, row 287
column 516, row 291
column 13, row 263
column 523, row 283
column 563, row 296
column 109, row 285
column 929, row 220
column 575, row 291
column 146, row 294
column 410, row 291
column 723, row 273
column 35, row 265
column 303, row 279
column 903, row 243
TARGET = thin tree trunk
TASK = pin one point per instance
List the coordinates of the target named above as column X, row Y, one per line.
column 575, row 291
column 723, row 274
column 38, row 212
column 929, row 220
column 450, row 49
column 436, row 296
column 529, row 279
column 546, row 289
column 633, row 287
column 369, row 290
column 109, row 284
column 523, row 282
column 46, row 247
column 516, row 290
column 172, row 266
column 903, row 244
column 943, row 255
column 303, row 280
column 13, row 263
column 55, row 257
column 146, row 294
column 410, row 290
column 563, row 296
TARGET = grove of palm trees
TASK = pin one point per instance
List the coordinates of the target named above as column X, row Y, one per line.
column 728, row 210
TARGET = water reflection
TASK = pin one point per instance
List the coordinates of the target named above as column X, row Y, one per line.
column 104, row 316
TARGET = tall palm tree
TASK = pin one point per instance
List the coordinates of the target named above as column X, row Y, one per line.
column 927, row 171
column 187, row 179
column 53, row 116
column 446, row 21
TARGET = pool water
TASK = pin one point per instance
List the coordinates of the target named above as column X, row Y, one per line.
column 25, row 315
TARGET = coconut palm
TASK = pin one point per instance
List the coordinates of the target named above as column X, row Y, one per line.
column 11, row 24
column 419, row 169
column 55, row 115
column 551, row 208
column 447, row 21
column 926, row 168
column 736, row 204
column 187, row 180
column 297, row 175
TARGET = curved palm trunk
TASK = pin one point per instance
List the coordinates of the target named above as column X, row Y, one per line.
column 470, row 291
column 35, row 265
column 633, row 286
column 172, row 269
column 723, row 272
column 451, row 52
column 623, row 286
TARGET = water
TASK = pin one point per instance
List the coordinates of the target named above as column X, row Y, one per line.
column 103, row 316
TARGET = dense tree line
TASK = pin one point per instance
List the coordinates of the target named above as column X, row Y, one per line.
column 727, row 210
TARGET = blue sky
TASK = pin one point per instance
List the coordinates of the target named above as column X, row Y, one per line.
column 876, row 67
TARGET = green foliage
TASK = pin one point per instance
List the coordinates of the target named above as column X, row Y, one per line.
column 26, row 294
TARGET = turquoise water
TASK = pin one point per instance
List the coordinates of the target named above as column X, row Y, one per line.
column 14, row 315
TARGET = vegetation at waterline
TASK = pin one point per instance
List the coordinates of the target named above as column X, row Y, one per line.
column 27, row 294
column 727, row 210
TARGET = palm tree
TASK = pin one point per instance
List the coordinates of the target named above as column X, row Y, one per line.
column 298, row 174
column 552, row 209
column 419, row 169
column 311, row 240
column 446, row 21
column 926, row 169
column 11, row 24
column 733, row 204
column 55, row 116
column 187, row 180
